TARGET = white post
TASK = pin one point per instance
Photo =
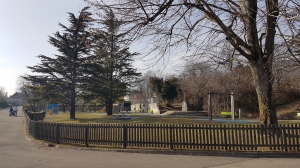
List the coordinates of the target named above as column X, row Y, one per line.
column 209, row 107
column 232, row 106
column 239, row 113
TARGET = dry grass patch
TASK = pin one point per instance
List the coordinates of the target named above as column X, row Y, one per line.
column 288, row 110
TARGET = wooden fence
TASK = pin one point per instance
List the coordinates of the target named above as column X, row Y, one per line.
column 168, row 136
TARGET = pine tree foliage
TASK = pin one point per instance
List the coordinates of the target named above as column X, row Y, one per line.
column 61, row 74
column 109, row 69
column 34, row 96
column 170, row 90
column 92, row 65
column 167, row 89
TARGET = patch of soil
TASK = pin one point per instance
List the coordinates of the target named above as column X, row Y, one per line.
column 175, row 107
column 290, row 115
column 288, row 111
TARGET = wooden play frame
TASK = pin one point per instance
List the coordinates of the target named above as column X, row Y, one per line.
column 210, row 105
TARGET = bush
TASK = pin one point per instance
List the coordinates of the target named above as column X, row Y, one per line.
column 247, row 101
column 286, row 96
column 36, row 115
column 3, row 104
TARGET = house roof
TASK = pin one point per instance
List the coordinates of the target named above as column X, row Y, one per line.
column 16, row 95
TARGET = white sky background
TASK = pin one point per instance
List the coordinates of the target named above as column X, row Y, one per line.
column 24, row 29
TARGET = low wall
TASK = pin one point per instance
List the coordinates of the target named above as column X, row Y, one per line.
column 154, row 107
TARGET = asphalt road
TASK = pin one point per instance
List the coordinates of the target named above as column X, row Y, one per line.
column 17, row 151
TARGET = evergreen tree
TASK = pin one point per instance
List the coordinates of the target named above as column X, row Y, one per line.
column 167, row 90
column 33, row 94
column 3, row 98
column 61, row 74
column 156, row 84
column 109, row 69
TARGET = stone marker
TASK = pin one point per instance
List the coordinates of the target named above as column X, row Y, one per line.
column 184, row 106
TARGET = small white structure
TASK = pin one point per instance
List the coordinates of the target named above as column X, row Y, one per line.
column 146, row 105
column 184, row 106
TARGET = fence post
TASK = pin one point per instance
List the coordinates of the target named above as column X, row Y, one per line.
column 171, row 137
column 57, row 133
column 86, row 135
column 124, row 136
column 34, row 129
column 284, row 138
column 225, row 137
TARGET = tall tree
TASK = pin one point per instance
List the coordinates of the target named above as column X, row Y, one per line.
column 167, row 89
column 156, row 84
column 3, row 98
column 295, row 51
column 62, row 71
column 203, row 27
column 109, row 68
column 170, row 90
column 290, row 33
column 194, row 81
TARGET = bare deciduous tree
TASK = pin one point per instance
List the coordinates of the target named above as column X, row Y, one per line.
column 199, row 28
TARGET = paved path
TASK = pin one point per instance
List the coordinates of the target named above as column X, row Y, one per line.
column 17, row 151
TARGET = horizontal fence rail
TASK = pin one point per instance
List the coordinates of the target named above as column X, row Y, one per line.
column 248, row 137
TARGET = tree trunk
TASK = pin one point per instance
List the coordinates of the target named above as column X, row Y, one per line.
column 63, row 107
column 262, row 75
column 73, row 93
column 73, row 104
column 109, row 107
column 109, row 102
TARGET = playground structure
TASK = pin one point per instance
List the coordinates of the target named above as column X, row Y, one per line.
column 222, row 104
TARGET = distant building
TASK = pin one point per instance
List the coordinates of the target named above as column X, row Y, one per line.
column 16, row 99
column 145, row 103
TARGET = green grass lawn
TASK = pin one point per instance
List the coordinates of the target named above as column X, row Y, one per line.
column 135, row 118
column 86, row 117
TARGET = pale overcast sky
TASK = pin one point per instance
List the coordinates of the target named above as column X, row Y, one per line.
column 24, row 29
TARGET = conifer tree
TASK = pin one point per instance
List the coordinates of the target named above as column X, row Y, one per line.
column 109, row 68
column 61, row 73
